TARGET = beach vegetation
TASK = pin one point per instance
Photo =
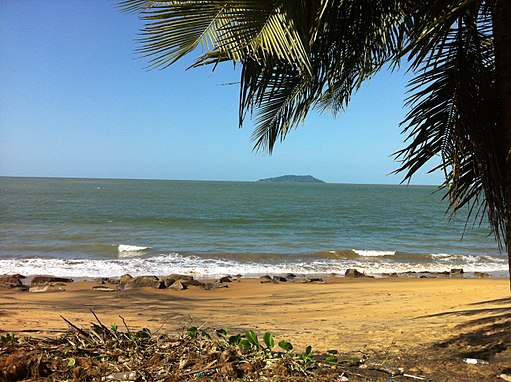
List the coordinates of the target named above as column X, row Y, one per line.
column 296, row 56
column 9, row 338
column 102, row 353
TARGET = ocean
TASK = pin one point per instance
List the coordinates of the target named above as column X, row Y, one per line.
column 106, row 228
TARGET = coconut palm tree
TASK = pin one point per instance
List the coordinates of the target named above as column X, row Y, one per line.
column 298, row 55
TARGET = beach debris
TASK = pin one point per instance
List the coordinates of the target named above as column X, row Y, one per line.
column 475, row 361
column 126, row 376
column 456, row 272
column 11, row 282
column 342, row 378
column 481, row 275
column 505, row 377
column 383, row 368
column 43, row 280
column 46, row 288
column 353, row 273
column 103, row 288
column 144, row 281
column 178, row 285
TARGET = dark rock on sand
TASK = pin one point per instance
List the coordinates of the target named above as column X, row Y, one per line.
column 393, row 275
column 456, row 272
column 281, row 279
column 208, row 286
column 353, row 273
column 178, row 277
column 314, row 280
column 178, row 285
column 125, row 279
column 144, row 281
column 10, row 282
column 265, row 277
column 186, row 280
column 481, row 275
column 290, row 276
column 44, row 280
column 225, row 279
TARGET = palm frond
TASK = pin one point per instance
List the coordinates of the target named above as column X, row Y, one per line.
column 453, row 115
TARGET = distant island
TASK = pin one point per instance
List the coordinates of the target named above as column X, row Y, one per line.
column 292, row 179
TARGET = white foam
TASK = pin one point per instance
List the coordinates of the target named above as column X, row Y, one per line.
column 130, row 250
column 169, row 263
column 373, row 253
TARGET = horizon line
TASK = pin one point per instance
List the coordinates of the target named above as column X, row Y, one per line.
column 209, row 180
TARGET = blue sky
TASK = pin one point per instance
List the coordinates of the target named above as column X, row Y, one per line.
column 77, row 101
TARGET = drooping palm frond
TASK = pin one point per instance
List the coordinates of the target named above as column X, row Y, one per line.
column 453, row 111
column 223, row 29
column 348, row 42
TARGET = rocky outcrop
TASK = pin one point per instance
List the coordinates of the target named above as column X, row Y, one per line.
column 178, row 285
column 12, row 282
column 45, row 280
column 353, row 273
column 144, row 282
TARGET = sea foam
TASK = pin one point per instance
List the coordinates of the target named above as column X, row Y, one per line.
column 202, row 266
column 126, row 250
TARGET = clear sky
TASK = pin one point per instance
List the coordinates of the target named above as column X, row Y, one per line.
column 77, row 101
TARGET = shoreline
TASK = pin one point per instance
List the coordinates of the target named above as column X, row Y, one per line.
column 374, row 311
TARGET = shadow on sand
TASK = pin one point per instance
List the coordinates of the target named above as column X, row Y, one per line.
column 485, row 335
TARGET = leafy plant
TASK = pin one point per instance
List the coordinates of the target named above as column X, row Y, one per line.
column 287, row 346
column 268, row 340
column 9, row 338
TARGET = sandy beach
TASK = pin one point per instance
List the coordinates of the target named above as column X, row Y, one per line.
column 434, row 322
column 344, row 314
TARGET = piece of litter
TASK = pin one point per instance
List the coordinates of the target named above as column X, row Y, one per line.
column 475, row 361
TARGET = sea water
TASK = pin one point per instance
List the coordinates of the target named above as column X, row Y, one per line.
column 102, row 228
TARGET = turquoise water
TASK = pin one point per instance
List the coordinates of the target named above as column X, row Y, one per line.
column 93, row 227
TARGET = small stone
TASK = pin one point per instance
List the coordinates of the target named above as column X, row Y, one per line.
column 193, row 283
column 481, row 275
column 281, row 279
column 246, row 367
column 43, row 280
column 290, row 276
column 228, row 369
column 144, row 281
column 179, row 277
column 315, row 280
column 456, row 272
column 10, row 282
column 178, row 285
column 225, row 279
column 124, row 279
column 353, row 273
